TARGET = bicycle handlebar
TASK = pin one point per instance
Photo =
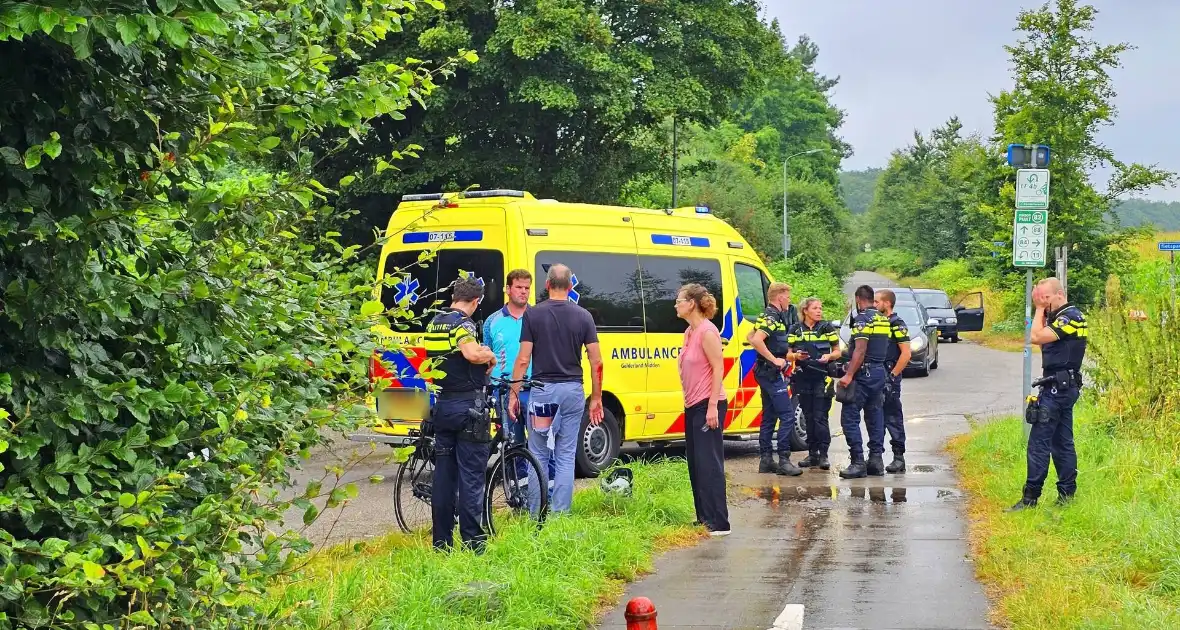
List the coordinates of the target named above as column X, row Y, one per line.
column 497, row 381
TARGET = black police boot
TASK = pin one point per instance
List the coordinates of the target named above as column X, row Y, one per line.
column 766, row 464
column 824, row 464
column 897, row 465
column 876, row 466
column 786, row 468
column 812, row 459
column 1064, row 500
column 1024, row 504
column 856, row 469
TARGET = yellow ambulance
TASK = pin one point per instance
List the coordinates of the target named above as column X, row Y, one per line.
column 628, row 265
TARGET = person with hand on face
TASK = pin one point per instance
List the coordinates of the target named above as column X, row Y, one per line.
column 701, row 371
column 1061, row 330
column 870, row 338
column 817, row 344
column 462, row 445
column 552, row 335
column 897, row 358
column 769, row 339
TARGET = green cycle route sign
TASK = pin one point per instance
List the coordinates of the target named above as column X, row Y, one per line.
column 1028, row 238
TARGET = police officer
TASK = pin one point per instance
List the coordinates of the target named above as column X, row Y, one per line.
column 896, row 360
column 769, row 339
column 461, row 425
column 870, row 338
column 1060, row 329
column 817, row 342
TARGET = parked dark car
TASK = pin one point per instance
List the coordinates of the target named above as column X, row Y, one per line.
column 923, row 338
column 952, row 321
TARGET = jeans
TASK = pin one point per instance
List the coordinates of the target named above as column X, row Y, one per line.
column 1053, row 439
column 870, row 381
column 705, row 452
column 515, row 433
column 816, row 404
column 894, row 418
column 459, row 472
column 565, row 405
column 777, row 408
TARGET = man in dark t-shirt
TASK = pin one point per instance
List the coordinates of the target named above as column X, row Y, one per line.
column 552, row 335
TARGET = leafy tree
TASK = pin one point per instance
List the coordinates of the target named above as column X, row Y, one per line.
column 175, row 331
column 1063, row 95
column 857, row 188
column 569, row 95
column 1164, row 215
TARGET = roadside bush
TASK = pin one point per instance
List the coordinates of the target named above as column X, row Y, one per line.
column 896, row 261
column 819, row 283
column 175, row 330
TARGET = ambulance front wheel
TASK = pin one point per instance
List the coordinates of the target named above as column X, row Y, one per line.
column 799, row 434
column 599, row 445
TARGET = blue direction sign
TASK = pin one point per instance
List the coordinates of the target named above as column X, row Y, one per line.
column 1169, row 246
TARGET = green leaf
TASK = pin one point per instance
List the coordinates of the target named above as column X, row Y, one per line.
column 269, row 142
column 93, row 570
column 142, row 617
column 3, row 446
column 167, row 6
column 126, row 500
column 48, row 19
column 208, row 23
column 310, row 514
column 304, row 197
column 83, row 484
column 471, row 56
column 174, row 32
column 166, row 441
column 10, row 155
column 80, row 42
column 52, row 146
column 33, row 156
column 58, row 483
column 175, row 393
column 371, row 308
column 229, row 6
column 128, row 29
column 346, row 180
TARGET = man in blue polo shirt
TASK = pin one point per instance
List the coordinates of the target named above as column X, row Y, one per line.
column 501, row 333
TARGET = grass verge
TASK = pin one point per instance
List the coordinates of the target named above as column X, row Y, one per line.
column 560, row 577
column 1109, row 560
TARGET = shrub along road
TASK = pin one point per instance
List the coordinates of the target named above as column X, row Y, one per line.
column 883, row 552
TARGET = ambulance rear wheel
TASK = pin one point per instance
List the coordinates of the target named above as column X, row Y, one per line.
column 598, row 446
column 799, row 429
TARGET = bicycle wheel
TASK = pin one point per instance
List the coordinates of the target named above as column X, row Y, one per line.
column 411, row 491
column 517, row 490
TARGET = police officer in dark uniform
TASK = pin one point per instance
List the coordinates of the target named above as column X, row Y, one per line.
column 769, row 339
column 896, row 359
column 870, row 339
column 1060, row 329
column 818, row 343
column 461, row 426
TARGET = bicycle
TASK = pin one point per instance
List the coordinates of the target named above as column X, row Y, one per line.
column 513, row 469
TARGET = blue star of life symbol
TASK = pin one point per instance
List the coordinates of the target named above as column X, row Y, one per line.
column 407, row 289
column 574, row 296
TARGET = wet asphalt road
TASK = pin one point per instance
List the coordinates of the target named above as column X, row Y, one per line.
column 881, row 552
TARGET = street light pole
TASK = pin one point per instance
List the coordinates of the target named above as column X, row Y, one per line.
column 786, row 234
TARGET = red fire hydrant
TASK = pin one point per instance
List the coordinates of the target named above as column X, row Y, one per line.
column 641, row 614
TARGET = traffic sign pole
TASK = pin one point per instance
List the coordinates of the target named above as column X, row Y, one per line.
column 1030, row 233
column 1028, row 285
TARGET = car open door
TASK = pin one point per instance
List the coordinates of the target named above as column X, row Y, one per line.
column 969, row 311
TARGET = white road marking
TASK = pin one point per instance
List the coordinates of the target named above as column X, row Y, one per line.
column 790, row 619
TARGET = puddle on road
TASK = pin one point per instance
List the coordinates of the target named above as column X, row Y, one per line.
column 808, row 494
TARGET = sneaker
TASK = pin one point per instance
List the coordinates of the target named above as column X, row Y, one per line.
column 719, row 532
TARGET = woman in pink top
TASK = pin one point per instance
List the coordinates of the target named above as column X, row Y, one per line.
column 704, row 406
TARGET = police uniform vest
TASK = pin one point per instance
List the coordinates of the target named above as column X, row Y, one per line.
column 443, row 335
column 775, row 324
column 899, row 333
column 1069, row 350
column 873, row 327
column 816, row 342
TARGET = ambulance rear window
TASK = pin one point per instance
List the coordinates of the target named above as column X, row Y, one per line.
column 426, row 283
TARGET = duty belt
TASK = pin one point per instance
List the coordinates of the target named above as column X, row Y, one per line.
column 1067, row 377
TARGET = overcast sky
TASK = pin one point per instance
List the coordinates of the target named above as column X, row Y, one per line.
column 911, row 64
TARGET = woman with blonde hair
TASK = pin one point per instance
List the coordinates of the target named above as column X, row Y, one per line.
column 701, row 371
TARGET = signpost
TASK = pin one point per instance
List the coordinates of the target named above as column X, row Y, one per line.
column 1029, row 232
column 1028, row 238
column 1171, row 247
column 1032, row 189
